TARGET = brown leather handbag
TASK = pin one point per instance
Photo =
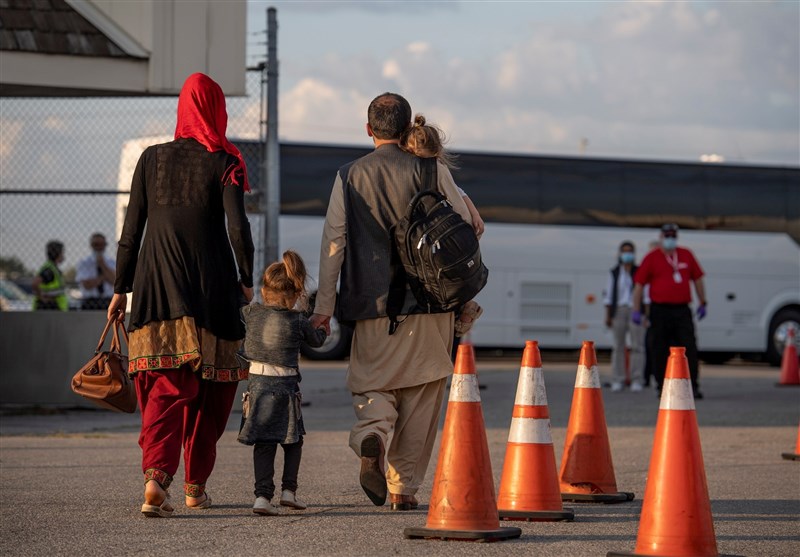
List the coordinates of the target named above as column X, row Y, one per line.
column 104, row 379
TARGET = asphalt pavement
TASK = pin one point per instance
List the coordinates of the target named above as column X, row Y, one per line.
column 71, row 482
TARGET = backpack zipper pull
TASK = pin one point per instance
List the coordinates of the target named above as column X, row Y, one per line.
column 422, row 241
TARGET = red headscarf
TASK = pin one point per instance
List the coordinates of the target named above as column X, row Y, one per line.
column 202, row 116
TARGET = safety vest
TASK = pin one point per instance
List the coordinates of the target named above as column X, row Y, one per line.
column 54, row 289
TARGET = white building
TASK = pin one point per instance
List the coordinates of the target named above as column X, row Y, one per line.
column 108, row 48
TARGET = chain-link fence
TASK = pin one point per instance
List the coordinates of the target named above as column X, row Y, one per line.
column 65, row 172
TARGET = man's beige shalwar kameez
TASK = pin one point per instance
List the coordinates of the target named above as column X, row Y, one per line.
column 398, row 382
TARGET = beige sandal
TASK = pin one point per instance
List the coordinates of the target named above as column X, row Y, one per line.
column 469, row 314
column 164, row 510
column 204, row 504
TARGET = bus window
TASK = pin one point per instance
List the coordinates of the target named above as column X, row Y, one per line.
column 743, row 199
column 659, row 193
column 583, row 192
column 504, row 188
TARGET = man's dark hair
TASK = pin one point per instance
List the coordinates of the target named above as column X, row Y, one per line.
column 389, row 115
column 54, row 248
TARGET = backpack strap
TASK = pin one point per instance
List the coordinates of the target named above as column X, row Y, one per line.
column 397, row 289
column 397, row 286
column 429, row 174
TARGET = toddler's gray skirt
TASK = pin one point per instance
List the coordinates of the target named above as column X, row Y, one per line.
column 274, row 415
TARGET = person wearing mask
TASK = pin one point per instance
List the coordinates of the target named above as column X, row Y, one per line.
column 618, row 299
column 95, row 275
column 49, row 288
column 668, row 271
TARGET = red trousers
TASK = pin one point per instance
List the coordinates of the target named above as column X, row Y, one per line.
column 180, row 409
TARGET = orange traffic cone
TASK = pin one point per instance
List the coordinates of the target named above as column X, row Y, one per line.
column 587, row 472
column 462, row 504
column 529, row 485
column 676, row 513
column 790, row 372
column 796, row 454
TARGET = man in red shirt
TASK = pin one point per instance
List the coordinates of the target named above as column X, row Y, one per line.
column 668, row 270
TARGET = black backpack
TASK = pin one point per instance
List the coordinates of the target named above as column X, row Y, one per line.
column 438, row 253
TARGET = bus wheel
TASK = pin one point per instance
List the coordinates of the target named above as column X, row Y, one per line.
column 336, row 346
column 778, row 327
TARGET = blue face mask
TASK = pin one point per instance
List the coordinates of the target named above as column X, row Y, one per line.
column 627, row 257
column 669, row 243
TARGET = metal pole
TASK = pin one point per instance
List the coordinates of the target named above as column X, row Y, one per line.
column 272, row 199
column 261, row 246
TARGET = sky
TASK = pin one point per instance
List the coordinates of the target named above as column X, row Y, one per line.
column 654, row 80
column 646, row 80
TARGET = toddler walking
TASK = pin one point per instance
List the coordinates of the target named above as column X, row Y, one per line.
column 271, row 413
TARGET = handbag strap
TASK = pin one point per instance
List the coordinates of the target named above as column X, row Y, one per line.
column 103, row 336
column 115, row 342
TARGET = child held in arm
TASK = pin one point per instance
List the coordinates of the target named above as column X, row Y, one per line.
column 427, row 141
column 271, row 413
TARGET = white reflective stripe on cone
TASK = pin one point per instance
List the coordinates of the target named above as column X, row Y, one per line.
column 677, row 395
column 587, row 378
column 530, row 388
column 464, row 388
column 530, row 430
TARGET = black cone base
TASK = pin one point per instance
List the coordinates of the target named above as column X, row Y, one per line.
column 607, row 498
column 565, row 515
column 790, row 456
column 498, row 535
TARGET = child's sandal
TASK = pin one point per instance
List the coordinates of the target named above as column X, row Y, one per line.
column 469, row 314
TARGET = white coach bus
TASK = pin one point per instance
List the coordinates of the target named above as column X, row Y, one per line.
column 554, row 225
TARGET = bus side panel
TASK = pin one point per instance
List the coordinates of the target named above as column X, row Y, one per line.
column 589, row 311
column 498, row 321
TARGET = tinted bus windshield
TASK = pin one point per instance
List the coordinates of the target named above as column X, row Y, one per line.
column 535, row 189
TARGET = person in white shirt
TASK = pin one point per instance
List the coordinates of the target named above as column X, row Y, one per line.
column 95, row 275
column 618, row 299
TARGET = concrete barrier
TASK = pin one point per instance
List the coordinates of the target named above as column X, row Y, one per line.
column 41, row 351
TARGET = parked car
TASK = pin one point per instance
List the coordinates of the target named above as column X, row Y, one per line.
column 14, row 298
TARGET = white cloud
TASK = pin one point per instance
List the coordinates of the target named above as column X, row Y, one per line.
column 314, row 110
column 508, row 72
column 662, row 80
column 9, row 138
column 241, row 123
column 418, row 48
column 391, row 69
column 54, row 123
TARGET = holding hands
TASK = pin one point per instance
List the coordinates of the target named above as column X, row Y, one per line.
column 323, row 321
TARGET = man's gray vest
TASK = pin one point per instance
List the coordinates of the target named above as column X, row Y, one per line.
column 377, row 190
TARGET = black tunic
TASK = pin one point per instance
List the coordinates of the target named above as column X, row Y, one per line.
column 185, row 266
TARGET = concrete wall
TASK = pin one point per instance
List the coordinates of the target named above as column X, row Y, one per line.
column 41, row 351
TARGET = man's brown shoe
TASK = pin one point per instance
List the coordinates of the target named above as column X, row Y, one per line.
column 403, row 502
column 372, row 475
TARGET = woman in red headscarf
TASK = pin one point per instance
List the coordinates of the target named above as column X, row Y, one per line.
column 185, row 328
